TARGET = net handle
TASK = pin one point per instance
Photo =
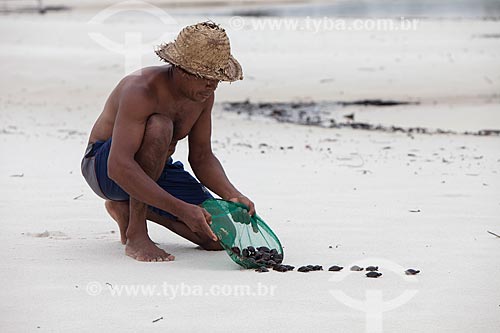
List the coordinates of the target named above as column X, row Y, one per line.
column 239, row 204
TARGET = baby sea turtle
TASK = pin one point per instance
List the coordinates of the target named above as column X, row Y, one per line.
column 271, row 263
column 289, row 267
column 317, row 268
column 236, row 250
column 278, row 257
column 251, row 261
column 373, row 274
column 371, row 268
column 245, row 253
column 260, row 262
column 335, row 268
column 251, row 249
column 411, row 271
column 280, row 268
column 263, row 249
column 262, row 270
column 304, row 269
column 356, row 268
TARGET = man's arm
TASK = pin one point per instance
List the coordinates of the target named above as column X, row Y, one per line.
column 135, row 107
column 206, row 166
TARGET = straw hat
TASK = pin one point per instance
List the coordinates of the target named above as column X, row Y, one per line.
column 203, row 49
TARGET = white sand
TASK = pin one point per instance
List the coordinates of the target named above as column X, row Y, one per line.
column 351, row 190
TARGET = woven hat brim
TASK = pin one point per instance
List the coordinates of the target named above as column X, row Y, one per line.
column 232, row 72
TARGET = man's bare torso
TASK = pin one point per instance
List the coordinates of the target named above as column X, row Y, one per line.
column 157, row 81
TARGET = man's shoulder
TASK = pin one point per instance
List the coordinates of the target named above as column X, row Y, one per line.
column 137, row 96
column 142, row 84
column 143, row 78
column 138, row 92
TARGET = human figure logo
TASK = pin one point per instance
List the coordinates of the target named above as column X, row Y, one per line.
column 134, row 45
column 374, row 304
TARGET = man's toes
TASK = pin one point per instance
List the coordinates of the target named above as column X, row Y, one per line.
column 138, row 257
column 133, row 256
column 152, row 254
column 165, row 257
column 169, row 257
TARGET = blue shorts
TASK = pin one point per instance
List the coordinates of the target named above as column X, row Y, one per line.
column 173, row 179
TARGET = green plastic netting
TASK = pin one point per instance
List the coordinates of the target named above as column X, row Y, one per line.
column 238, row 232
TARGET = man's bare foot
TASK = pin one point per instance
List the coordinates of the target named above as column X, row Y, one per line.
column 146, row 250
column 119, row 211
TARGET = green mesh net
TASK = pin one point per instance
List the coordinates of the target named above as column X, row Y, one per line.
column 247, row 239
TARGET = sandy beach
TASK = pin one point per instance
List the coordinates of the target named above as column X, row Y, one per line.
column 334, row 196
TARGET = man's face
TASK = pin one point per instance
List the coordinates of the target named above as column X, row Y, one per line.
column 196, row 88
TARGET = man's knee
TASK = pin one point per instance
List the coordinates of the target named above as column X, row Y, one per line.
column 158, row 133
column 156, row 141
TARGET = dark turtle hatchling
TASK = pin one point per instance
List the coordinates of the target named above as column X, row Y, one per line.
column 371, row 268
column 266, row 256
column 260, row 262
column 356, row 268
column 262, row 270
column 278, row 257
column 251, row 249
column 251, row 261
column 263, row 249
column 236, row 250
column 271, row 263
column 335, row 268
column 245, row 253
column 317, row 268
column 304, row 269
column 412, row 271
column 280, row 268
column 373, row 274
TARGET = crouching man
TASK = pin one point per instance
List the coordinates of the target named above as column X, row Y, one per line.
column 128, row 159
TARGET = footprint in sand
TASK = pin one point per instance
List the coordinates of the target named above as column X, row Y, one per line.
column 48, row 234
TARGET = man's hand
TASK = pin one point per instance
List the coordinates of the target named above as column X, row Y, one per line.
column 247, row 202
column 198, row 220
